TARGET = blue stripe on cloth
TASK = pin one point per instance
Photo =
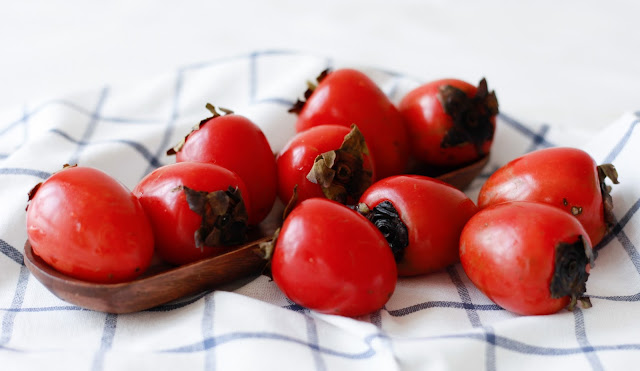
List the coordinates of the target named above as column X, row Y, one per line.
column 138, row 147
column 296, row 307
column 20, row 171
column 18, row 298
column 474, row 317
column 490, row 351
column 617, row 228
column 472, row 314
column 253, row 71
column 539, row 139
column 8, row 319
column 21, row 121
column 523, row 348
column 442, row 304
column 376, row 319
column 106, row 342
column 485, row 335
column 91, row 127
column 10, row 349
column 109, row 119
column 170, row 126
column 581, row 336
column 615, row 151
column 59, row 308
column 238, row 336
column 523, row 129
column 128, row 120
column 11, row 252
column 626, row 298
column 630, row 248
column 59, row 102
column 253, row 78
column 25, row 125
column 71, row 105
column 207, row 328
column 312, row 336
column 253, row 85
column 75, row 107
column 618, row 232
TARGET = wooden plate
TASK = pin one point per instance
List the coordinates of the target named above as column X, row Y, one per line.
column 460, row 177
column 162, row 284
column 153, row 290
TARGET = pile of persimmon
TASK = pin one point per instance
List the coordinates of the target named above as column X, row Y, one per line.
column 363, row 204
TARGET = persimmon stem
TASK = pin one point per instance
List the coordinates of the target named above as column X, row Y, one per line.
column 297, row 107
column 570, row 274
column 341, row 173
column 607, row 171
column 224, row 216
column 471, row 116
column 214, row 111
column 387, row 219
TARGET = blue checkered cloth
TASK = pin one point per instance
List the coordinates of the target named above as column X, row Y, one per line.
column 436, row 322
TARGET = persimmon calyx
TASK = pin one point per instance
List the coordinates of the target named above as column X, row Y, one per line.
column 340, row 173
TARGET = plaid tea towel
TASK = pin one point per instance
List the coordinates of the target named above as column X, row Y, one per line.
column 435, row 322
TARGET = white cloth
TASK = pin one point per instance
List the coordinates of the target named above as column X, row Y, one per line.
column 435, row 322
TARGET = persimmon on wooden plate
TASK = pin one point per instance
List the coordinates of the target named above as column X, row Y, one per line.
column 162, row 283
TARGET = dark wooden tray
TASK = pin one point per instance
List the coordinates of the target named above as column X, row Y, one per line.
column 162, row 283
column 150, row 290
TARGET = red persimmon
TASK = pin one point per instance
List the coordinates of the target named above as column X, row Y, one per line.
column 330, row 259
column 236, row 143
column 347, row 96
column 421, row 218
column 529, row 258
column 86, row 224
column 197, row 210
column 567, row 178
column 325, row 161
column 450, row 122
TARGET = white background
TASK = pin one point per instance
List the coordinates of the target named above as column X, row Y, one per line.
column 569, row 63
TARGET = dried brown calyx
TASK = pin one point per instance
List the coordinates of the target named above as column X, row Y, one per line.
column 570, row 274
column 311, row 86
column 224, row 216
column 341, row 173
column 214, row 111
column 471, row 116
column 607, row 171
column 33, row 191
column 266, row 250
column 387, row 219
